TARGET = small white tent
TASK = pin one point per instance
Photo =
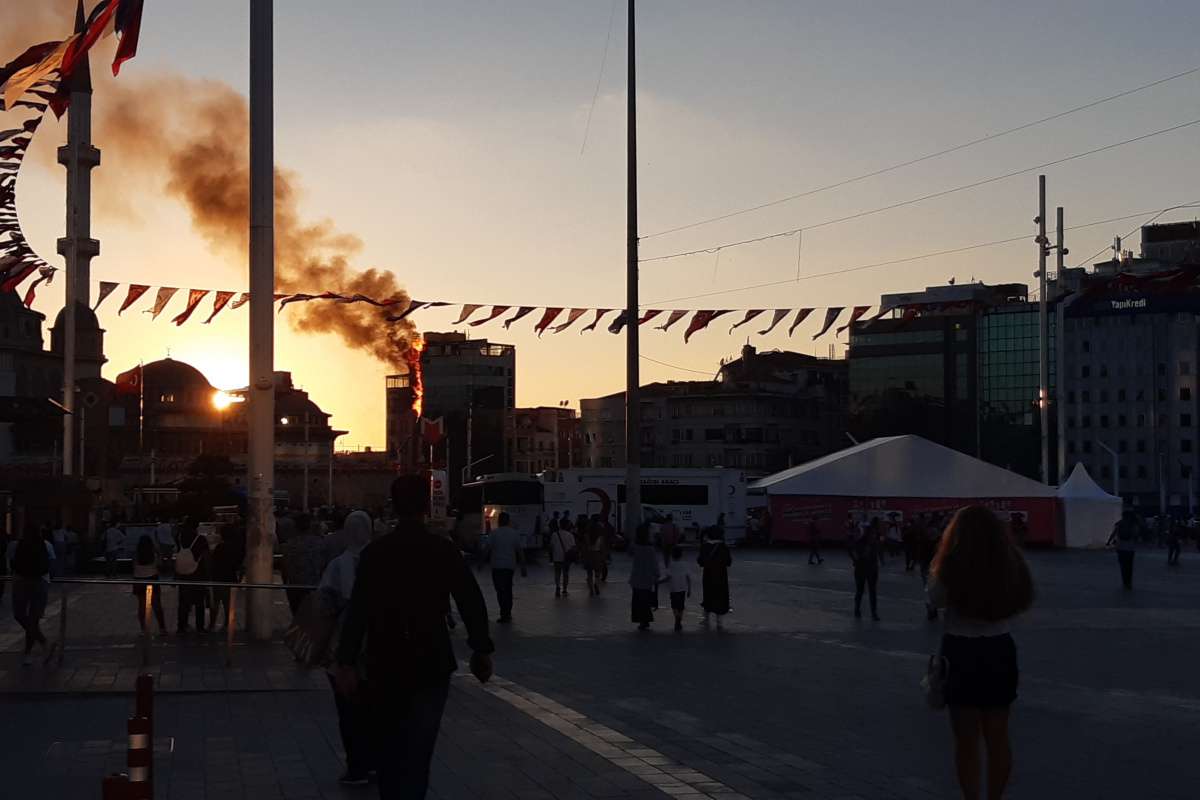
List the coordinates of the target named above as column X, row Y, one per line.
column 1090, row 511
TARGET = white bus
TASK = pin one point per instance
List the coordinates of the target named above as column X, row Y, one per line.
column 519, row 494
column 693, row 497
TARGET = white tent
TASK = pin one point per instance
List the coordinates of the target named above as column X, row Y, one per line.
column 1090, row 511
column 901, row 466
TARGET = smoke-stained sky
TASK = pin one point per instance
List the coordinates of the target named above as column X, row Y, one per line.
column 446, row 138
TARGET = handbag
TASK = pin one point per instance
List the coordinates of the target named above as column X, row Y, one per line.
column 570, row 554
column 934, row 682
column 310, row 637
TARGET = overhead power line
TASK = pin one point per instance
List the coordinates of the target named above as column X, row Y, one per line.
column 923, row 198
column 708, row 373
column 980, row 245
column 919, row 159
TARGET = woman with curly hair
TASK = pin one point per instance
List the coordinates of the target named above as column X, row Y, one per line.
column 981, row 578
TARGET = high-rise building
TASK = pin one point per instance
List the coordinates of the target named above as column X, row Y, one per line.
column 918, row 371
column 471, row 385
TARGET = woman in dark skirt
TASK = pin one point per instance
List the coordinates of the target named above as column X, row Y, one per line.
column 643, row 578
column 982, row 580
column 715, row 560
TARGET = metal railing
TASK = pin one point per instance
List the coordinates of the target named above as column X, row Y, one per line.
column 147, row 604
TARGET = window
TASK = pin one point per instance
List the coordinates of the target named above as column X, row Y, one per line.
column 1071, row 448
column 1085, row 371
column 1141, row 420
column 1162, row 395
column 1122, row 420
column 1141, row 445
column 1122, row 446
column 1185, row 471
column 1103, row 370
column 1070, row 397
column 1104, row 420
column 1104, row 395
column 1185, row 393
column 1087, row 447
column 1185, row 368
column 1185, row 420
column 1086, row 346
column 1141, row 470
column 1141, row 395
column 1121, row 395
column 1123, row 471
column 1162, row 369
column 1185, row 446
column 1086, row 395
column 1106, row 471
column 714, row 434
column 1086, row 421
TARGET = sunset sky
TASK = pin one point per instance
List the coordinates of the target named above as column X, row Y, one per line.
column 447, row 135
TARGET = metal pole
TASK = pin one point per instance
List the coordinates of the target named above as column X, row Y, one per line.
column 261, row 397
column 304, row 493
column 633, row 484
column 1043, row 334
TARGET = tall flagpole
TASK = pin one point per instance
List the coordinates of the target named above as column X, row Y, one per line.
column 633, row 485
column 261, row 397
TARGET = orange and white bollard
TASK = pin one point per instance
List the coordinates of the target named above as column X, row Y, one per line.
column 140, row 759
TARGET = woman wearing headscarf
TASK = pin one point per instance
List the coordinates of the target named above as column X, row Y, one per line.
column 337, row 583
column 715, row 560
column 644, row 578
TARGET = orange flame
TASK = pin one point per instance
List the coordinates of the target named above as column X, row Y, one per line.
column 413, row 357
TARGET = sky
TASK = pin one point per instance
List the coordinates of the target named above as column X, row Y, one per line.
column 450, row 137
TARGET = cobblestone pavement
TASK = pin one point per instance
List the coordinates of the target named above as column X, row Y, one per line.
column 792, row 699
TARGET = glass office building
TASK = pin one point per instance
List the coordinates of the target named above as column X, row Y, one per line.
column 1009, row 423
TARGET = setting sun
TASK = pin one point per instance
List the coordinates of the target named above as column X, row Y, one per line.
column 223, row 400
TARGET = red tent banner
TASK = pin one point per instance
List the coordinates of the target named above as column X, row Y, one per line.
column 165, row 293
column 495, row 312
column 548, row 316
column 801, row 315
column 220, row 300
column 777, row 318
column 701, row 321
column 106, row 288
column 136, row 290
column 467, row 310
column 831, row 316
column 750, row 315
column 672, row 318
column 854, row 317
column 194, row 298
column 523, row 311
column 572, row 315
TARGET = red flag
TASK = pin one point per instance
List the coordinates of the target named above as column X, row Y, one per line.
column 801, row 315
column 243, row 298
column 600, row 312
column 617, row 324
column 467, row 310
column 751, row 314
column 129, row 27
column 831, row 316
column 572, row 315
column 97, row 25
column 106, row 288
column 294, row 298
column 136, row 290
column 220, row 300
column 194, row 298
column 46, row 275
column 780, row 313
column 413, row 305
column 854, row 317
column 548, row 316
column 649, row 315
column 165, row 293
column 433, row 430
column 521, row 312
column 495, row 312
column 672, row 318
column 701, row 321
column 130, row 382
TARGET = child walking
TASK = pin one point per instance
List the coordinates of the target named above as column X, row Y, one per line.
column 680, row 584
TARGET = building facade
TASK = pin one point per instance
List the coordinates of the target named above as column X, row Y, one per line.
column 471, row 385
column 545, row 437
column 765, row 412
column 921, row 370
